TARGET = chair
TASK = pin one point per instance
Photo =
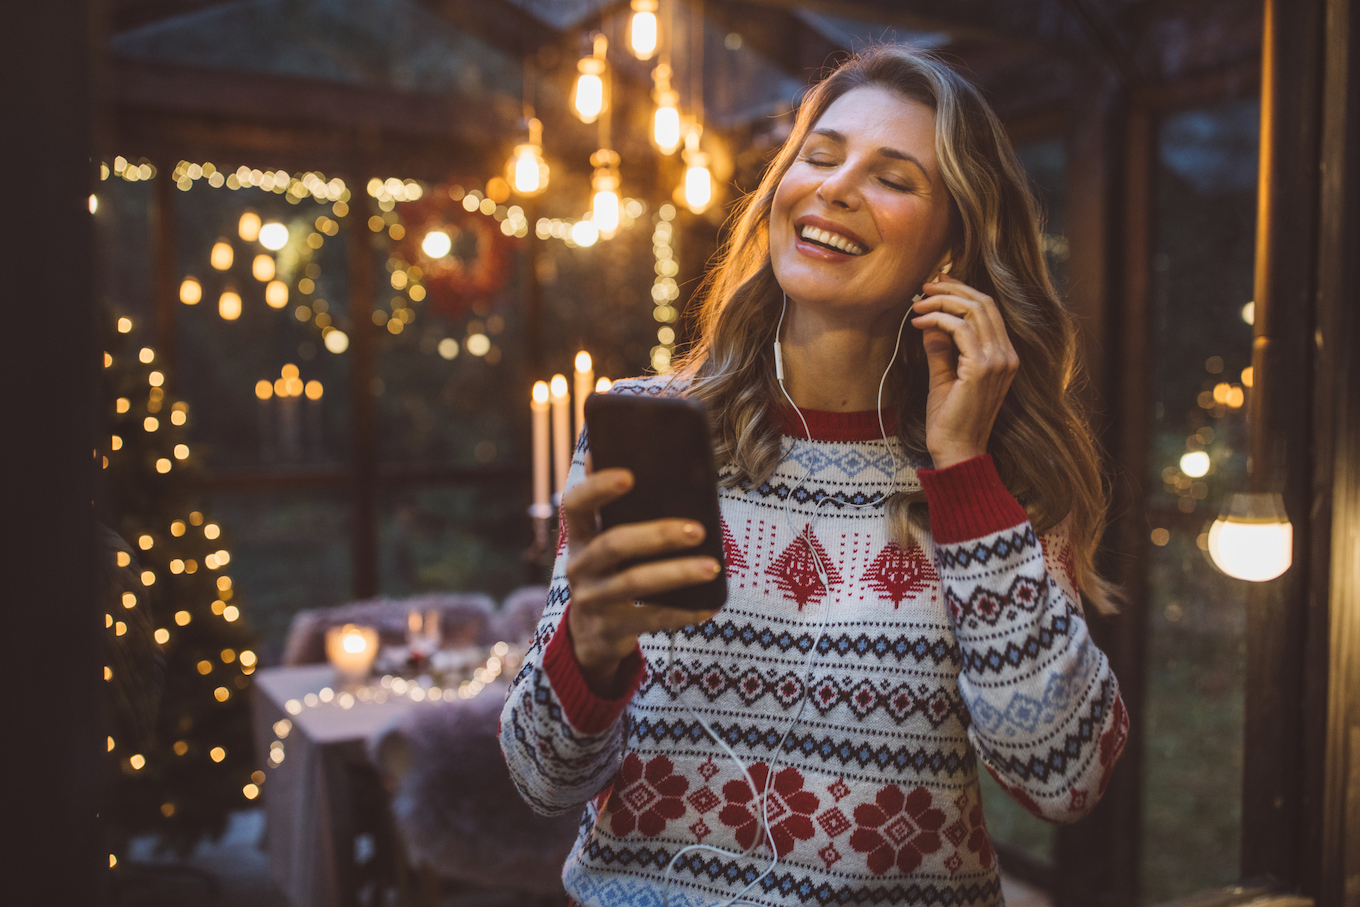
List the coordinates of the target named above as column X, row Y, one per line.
column 457, row 815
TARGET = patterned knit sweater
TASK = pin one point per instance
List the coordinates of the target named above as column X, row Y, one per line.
column 969, row 647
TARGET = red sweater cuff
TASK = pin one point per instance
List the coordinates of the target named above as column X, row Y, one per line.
column 968, row 500
column 584, row 710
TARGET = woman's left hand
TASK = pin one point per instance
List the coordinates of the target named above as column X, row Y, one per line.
column 972, row 364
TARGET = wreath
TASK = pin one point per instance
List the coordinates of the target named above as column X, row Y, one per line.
column 479, row 264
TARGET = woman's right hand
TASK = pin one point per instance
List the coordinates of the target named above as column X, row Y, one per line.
column 603, row 620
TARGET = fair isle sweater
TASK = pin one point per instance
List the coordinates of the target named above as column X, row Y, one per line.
column 967, row 648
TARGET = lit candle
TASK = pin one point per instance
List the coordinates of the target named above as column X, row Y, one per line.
column 561, row 431
column 350, row 650
column 542, row 507
column 585, row 383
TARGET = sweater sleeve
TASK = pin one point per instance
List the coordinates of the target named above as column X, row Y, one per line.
column 1047, row 720
column 562, row 742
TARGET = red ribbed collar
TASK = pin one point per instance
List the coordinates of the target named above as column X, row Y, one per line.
column 843, row 427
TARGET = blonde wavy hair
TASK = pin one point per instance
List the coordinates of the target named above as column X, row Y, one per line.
column 1041, row 442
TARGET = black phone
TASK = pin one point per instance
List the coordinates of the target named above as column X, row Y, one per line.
column 665, row 441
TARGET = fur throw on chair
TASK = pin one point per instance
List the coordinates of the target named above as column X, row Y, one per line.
column 455, row 806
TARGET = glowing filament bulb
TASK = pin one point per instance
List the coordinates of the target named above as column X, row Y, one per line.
column 698, row 186
column 605, row 185
column 263, row 268
column 190, row 291
column 222, row 255
column 642, row 29
column 229, row 305
column 666, row 126
column 588, row 95
column 249, row 226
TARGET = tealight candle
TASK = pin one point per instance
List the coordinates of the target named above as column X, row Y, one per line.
column 351, row 649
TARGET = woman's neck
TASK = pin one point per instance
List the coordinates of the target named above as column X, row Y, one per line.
column 836, row 366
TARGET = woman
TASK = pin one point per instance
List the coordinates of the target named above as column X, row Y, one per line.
column 903, row 579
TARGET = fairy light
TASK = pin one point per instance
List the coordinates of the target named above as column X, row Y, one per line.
column 273, row 236
column 222, row 255
column 229, row 305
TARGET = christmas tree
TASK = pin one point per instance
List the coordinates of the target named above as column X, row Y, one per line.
column 180, row 653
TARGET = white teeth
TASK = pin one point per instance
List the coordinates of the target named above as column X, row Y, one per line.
column 835, row 240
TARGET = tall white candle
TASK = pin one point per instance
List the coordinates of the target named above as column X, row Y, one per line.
column 585, row 383
column 539, row 405
column 561, row 432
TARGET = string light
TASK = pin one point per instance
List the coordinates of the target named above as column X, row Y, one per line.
column 587, row 97
column 642, row 31
column 436, row 244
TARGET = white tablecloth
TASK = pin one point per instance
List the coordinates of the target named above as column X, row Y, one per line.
column 307, row 798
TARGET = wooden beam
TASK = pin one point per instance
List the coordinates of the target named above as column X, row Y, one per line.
column 290, row 100
column 1331, row 843
column 1274, row 809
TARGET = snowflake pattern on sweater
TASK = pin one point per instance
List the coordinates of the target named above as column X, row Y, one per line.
column 970, row 647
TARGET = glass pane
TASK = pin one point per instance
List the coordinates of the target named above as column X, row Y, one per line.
column 1203, row 241
column 233, row 351
column 440, row 539
column 290, row 552
column 1046, row 163
column 123, row 244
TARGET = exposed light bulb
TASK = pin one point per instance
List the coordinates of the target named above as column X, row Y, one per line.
column 249, row 226
column 526, row 171
column 584, row 233
column 666, row 126
column 190, row 291
column 698, row 185
column 642, row 31
column 229, row 305
column 1253, row 539
column 604, row 211
column 588, row 95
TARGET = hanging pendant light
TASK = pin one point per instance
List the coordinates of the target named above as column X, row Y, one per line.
column 587, row 98
column 604, row 184
column 527, row 172
column 666, row 120
column 1253, row 538
column 697, row 190
column 642, row 31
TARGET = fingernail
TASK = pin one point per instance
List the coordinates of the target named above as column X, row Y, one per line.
column 693, row 530
column 715, row 568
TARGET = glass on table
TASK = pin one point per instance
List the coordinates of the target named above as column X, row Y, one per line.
column 422, row 632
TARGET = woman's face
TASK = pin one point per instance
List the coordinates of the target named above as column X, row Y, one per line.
column 861, row 219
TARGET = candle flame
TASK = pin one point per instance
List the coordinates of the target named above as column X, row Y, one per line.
column 540, row 392
column 583, row 361
column 559, row 386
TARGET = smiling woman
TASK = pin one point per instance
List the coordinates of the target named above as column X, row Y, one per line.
column 906, row 524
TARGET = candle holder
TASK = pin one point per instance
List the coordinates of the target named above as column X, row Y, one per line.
column 351, row 649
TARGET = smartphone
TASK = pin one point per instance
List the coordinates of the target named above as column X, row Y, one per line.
column 665, row 441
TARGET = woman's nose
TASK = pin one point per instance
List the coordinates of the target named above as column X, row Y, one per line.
column 840, row 189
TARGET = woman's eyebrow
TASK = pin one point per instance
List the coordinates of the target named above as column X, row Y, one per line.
column 885, row 150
